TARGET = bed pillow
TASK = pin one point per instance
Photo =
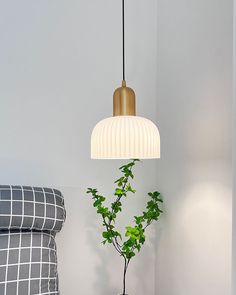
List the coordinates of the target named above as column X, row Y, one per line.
column 31, row 208
column 28, row 263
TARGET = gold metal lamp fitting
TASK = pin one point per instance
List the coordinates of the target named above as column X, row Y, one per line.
column 124, row 101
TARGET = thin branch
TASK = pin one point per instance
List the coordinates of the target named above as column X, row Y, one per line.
column 124, row 275
column 123, row 188
column 114, row 244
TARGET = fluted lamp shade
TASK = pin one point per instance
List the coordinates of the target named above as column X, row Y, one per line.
column 125, row 137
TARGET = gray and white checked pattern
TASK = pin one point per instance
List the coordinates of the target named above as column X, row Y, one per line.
column 24, row 207
column 29, row 220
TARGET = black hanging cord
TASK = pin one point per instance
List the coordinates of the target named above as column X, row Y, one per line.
column 123, row 36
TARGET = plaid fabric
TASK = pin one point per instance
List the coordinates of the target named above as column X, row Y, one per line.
column 24, row 207
column 28, row 260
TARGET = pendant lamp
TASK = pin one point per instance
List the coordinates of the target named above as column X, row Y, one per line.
column 125, row 135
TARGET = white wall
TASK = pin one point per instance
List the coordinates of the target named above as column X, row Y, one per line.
column 60, row 62
column 234, row 160
column 194, row 115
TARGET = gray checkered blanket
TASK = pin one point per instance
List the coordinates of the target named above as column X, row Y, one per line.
column 29, row 220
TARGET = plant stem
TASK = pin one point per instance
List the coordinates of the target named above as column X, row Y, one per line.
column 124, row 276
column 114, row 240
column 126, row 264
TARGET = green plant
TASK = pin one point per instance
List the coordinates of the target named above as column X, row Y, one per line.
column 134, row 239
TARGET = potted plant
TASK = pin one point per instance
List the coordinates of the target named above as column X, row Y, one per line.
column 128, row 246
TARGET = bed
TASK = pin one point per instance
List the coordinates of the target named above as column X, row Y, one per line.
column 30, row 217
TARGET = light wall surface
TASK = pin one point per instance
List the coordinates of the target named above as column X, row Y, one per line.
column 194, row 173
column 60, row 62
column 234, row 159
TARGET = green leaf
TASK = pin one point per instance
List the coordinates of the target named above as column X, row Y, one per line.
column 142, row 239
column 91, row 191
column 96, row 203
column 119, row 192
column 138, row 247
column 138, row 219
column 135, row 234
column 130, row 189
column 105, row 235
column 130, row 255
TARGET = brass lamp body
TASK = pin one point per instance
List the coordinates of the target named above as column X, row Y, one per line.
column 124, row 101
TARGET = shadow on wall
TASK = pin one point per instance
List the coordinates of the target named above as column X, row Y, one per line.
column 146, row 258
column 191, row 247
column 103, row 284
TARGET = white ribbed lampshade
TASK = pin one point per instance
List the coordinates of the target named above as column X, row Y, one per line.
column 125, row 137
